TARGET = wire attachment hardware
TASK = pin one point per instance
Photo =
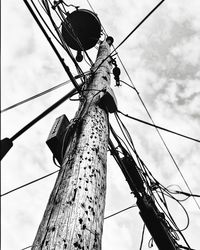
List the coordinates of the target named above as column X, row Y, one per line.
column 116, row 72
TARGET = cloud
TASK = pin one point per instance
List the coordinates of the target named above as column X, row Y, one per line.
column 162, row 58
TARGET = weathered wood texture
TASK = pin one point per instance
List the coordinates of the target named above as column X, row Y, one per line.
column 73, row 218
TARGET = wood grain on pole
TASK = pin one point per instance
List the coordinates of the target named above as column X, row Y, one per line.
column 73, row 218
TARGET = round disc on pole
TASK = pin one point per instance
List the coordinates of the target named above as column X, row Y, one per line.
column 84, row 25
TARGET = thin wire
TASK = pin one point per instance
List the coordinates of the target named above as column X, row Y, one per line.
column 170, row 154
column 120, row 211
column 142, row 100
column 58, row 33
column 29, row 183
column 144, row 19
column 156, row 126
column 42, row 93
column 27, row 247
column 142, row 238
column 118, row 56
column 137, row 26
column 123, row 210
column 63, row 20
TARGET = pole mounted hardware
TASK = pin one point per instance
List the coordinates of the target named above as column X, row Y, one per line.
column 116, row 72
column 81, row 31
column 57, row 138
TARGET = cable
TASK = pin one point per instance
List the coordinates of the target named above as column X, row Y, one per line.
column 142, row 238
column 42, row 93
column 64, row 46
column 142, row 100
column 60, row 14
column 156, row 126
column 163, row 201
column 187, row 194
column 66, row 68
column 114, row 49
column 170, row 154
column 144, row 19
column 123, row 210
column 28, row 247
column 120, row 211
column 137, row 26
column 29, row 183
column 7, row 143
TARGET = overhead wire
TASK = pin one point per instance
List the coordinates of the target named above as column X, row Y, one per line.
column 123, row 210
column 116, row 48
column 107, row 217
column 134, row 29
column 29, row 183
column 73, row 34
column 42, row 93
column 170, row 154
column 133, row 84
column 168, row 214
column 159, row 127
column 142, row 237
column 65, row 47
column 143, row 101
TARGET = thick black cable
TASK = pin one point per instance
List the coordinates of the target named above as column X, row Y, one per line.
column 170, row 217
column 42, row 93
column 62, row 18
column 156, row 126
column 141, row 98
column 79, row 70
column 29, row 183
column 170, row 154
column 187, row 194
column 66, row 68
column 120, row 211
column 43, row 114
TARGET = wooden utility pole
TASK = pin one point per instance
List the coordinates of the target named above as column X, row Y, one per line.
column 74, row 215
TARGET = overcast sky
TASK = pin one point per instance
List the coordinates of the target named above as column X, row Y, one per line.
column 163, row 60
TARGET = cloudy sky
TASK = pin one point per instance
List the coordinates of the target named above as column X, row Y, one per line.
column 163, row 60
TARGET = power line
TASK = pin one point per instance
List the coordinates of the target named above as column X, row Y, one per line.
column 7, row 143
column 175, row 163
column 142, row 238
column 143, row 101
column 66, row 68
column 170, row 154
column 29, row 183
column 120, row 211
column 123, row 210
column 137, row 26
column 42, row 93
column 156, row 126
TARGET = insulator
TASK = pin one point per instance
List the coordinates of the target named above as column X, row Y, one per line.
column 116, row 73
column 109, row 40
column 79, row 56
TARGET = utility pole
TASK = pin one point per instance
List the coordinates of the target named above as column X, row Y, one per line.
column 74, row 215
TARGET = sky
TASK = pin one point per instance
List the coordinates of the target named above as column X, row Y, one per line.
column 163, row 60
